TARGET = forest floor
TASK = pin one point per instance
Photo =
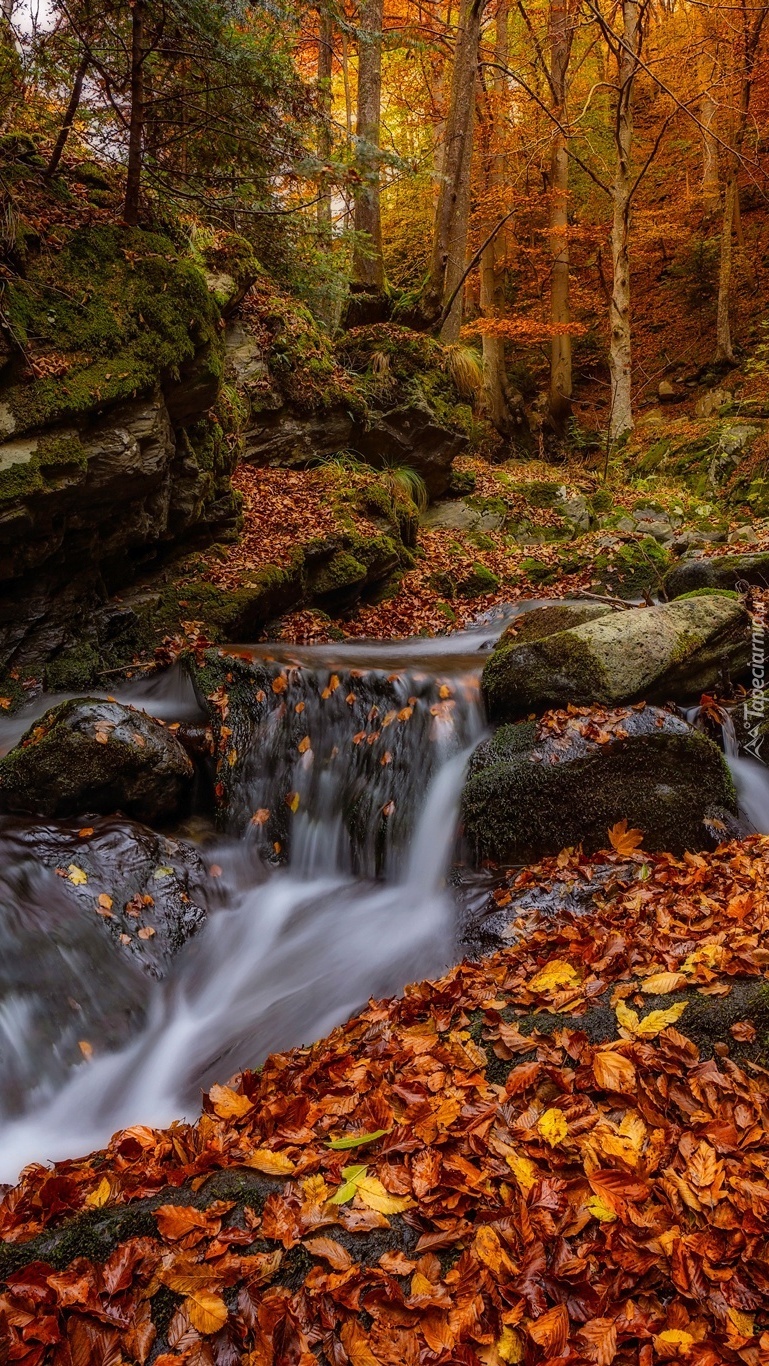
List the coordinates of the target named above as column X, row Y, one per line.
column 519, row 1162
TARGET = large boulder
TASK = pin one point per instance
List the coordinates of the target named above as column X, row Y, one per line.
column 538, row 787
column 674, row 651
column 89, row 916
column 723, row 571
column 87, row 755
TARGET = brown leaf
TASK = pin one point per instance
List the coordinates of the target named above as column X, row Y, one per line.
column 331, row 1251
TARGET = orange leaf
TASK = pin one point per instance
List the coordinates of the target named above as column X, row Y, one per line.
column 229, row 1104
column 331, row 1251
column 613, row 1071
column 624, row 841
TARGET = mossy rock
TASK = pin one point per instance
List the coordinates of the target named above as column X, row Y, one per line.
column 632, row 569
column 548, row 621
column 123, row 306
column 538, row 571
column 461, row 483
column 709, row 593
column 96, row 756
column 724, row 571
column 530, row 793
column 678, row 650
column 477, row 582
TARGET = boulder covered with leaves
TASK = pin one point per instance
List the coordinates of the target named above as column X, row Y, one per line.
column 89, row 755
column 675, row 651
column 563, row 780
column 552, row 1154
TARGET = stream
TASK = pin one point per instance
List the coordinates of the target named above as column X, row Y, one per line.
column 288, row 950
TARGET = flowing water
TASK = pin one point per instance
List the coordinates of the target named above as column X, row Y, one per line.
column 360, row 909
column 369, row 743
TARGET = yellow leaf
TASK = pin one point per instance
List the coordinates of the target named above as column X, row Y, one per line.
column 675, row 1338
column 100, row 1196
column 292, row 801
column 600, row 1210
column 742, row 1323
column 229, row 1104
column 651, row 1025
column 663, row 982
column 624, row 841
column 554, row 975
column 232, row 758
column 272, row 1164
column 709, row 955
column 524, row 1171
column 372, row 1193
column 304, row 745
column 76, row 875
column 553, row 1127
column 208, row 1313
column 105, row 902
column 509, row 1347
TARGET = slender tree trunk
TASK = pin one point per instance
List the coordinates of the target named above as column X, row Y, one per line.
column 493, row 256
column 325, row 60
column 711, row 187
column 453, row 210
column 621, row 416
column 69, row 119
column 368, row 265
column 724, row 347
column 751, row 37
column 560, row 312
column 136, row 125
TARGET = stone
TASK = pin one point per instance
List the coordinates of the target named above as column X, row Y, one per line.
column 712, row 401
column 72, row 959
column 666, row 391
column 723, row 571
column 90, row 756
column 677, row 650
column 535, row 788
column 459, row 515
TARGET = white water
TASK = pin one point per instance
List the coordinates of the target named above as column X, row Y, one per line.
column 294, row 951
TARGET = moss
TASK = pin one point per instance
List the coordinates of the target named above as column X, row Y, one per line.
column 74, row 669
column 662, row 783
column 633, row 569
column 601, row 501
column 538, row 571
column 540, row 493
column 548, row 621
column 477, row 582
column 122, row 306
column 461, row 483
column 708, row 593
column 341, row 572
column 557, row 655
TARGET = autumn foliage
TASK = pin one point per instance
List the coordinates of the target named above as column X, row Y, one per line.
column 472, row 1174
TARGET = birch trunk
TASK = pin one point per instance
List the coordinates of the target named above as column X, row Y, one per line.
column 325, row 59
column 367, row 265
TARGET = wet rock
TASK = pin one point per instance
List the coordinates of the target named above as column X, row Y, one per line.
column 536, row 788
column 724, row 571
column 88, row 917
column 87, row 755
column 675, row 651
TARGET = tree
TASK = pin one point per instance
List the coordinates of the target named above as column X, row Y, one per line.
column 449, row 249
column 493, row 255
column 560, row 39
column 368, row 264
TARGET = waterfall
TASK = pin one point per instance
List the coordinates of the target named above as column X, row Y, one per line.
column 369, row 744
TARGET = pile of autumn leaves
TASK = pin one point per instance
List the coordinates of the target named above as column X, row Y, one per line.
column 445, row 1183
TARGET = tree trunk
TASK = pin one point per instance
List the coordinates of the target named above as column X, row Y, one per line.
column 325, row 60
column 69, row 119
column 724, row 347
column 136, row 125
column 621, row 414
column 560, row 314
column 493, row 256
column 711, row 188
column 453, row 211
column 368, row 265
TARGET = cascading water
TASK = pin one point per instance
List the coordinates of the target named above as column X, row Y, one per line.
column 360, row 753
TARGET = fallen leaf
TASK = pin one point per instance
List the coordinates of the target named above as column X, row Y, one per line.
column 208, row 1312
column 229, row 1104
column 355, row 1140
column 555, row 975
column 269, row 1162
column 624, row 841
column 553, row 1127
column 651, row 1025
column 76, row 876
column 613, row 1071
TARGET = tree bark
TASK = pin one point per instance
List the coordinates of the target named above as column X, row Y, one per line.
column 325, row 61
column 751, row 36
column 621, row 414
column 453, row 210
column 560, row 313
column 136, row 124
column 711, row 186
column 69, row 118
column 368, row 264
column 493, row 256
